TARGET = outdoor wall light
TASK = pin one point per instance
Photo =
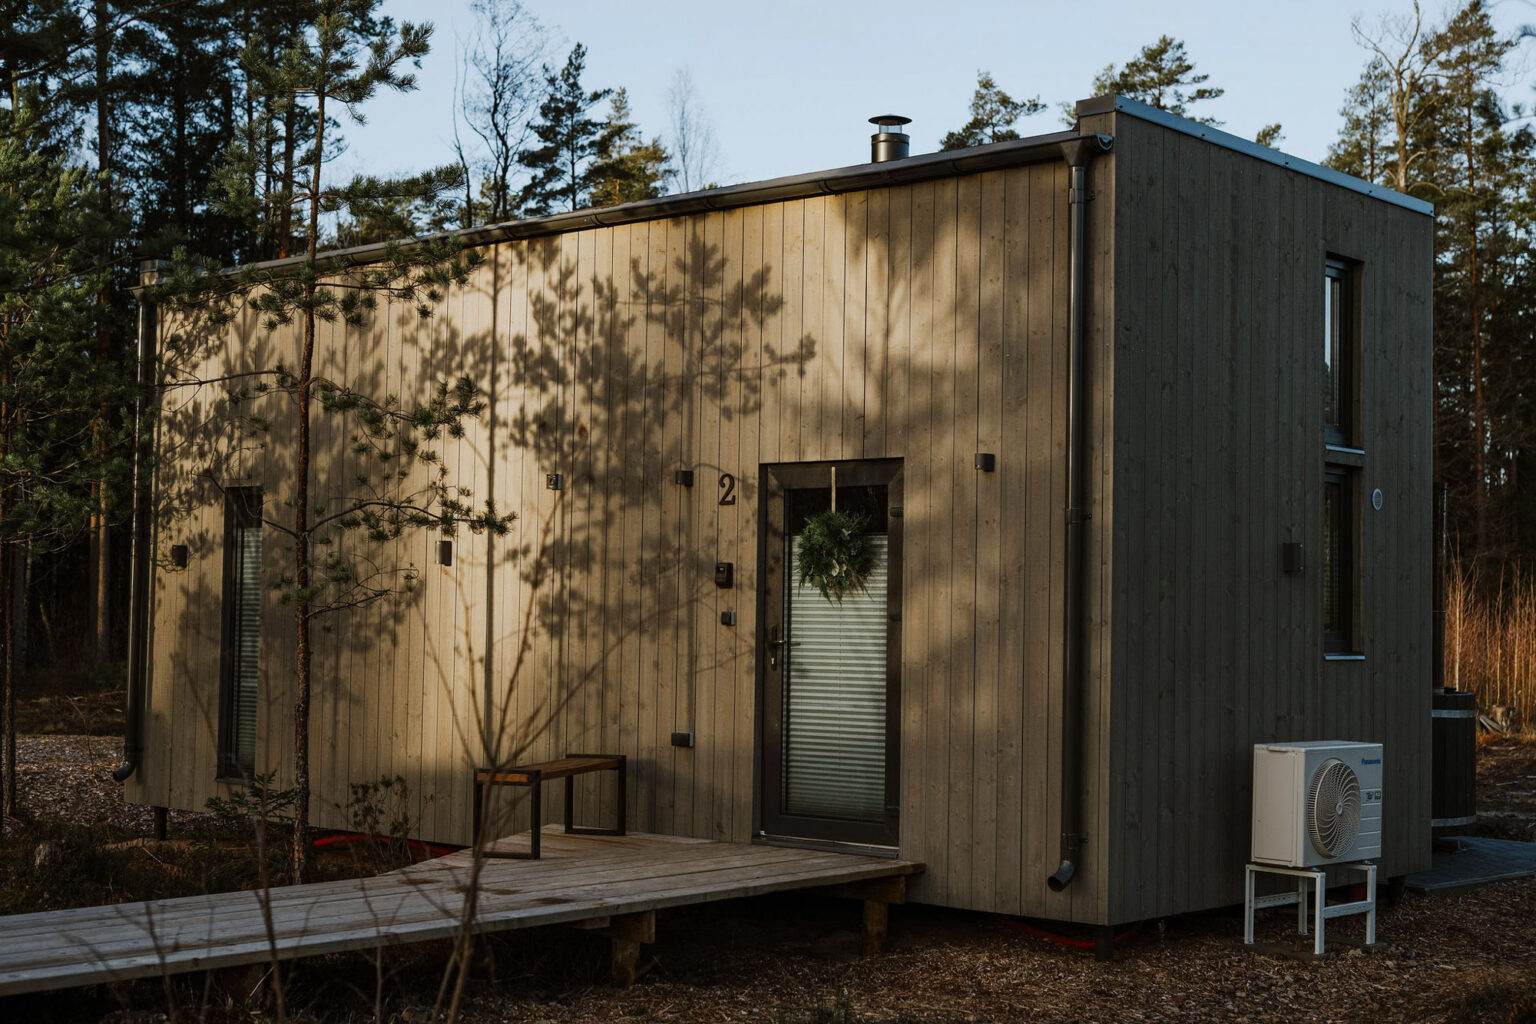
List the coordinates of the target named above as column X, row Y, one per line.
column 683, row 478
column 554, row 481
column 445, row 552
column 986, row 462
column 180, row 555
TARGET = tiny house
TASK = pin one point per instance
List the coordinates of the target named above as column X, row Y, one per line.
column 1136, row 418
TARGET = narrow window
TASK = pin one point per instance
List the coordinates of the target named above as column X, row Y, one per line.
column 1338, row 355
column 1338, row 561
column 240, row 668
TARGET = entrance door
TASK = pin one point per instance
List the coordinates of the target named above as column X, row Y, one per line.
column 831, row 670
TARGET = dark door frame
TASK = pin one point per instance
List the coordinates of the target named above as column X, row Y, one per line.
column 777, row 479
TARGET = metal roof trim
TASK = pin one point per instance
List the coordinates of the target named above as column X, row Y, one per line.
column 1137, row 109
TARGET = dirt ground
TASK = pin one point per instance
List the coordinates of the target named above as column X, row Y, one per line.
column 1506, row 787
column 1459, row 958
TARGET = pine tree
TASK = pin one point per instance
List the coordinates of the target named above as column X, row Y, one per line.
column 1481, row 166
column 1161, row 76
column 1426, row 118
column 627, row 167
column 1364, row 146
column 993, row 115
column 572, row 141
column 40, row 46
column 180, row 87
column 52, row 385
column 339, row 60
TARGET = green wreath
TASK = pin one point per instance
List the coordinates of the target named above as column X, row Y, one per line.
column 835, row 554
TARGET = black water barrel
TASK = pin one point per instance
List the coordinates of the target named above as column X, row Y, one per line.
column 1453, row 801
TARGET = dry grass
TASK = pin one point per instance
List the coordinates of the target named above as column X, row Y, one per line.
column 1490, row 636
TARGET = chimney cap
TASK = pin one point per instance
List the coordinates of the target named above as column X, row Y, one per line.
column 890, row 122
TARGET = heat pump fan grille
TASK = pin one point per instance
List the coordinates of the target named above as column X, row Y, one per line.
column 1333, row 808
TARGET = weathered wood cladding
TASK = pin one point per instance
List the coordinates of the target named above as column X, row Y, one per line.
column 925, row 322
column 1218, row 459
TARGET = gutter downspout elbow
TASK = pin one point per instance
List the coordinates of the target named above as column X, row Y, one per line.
column 138, row 586
column 1078, row 154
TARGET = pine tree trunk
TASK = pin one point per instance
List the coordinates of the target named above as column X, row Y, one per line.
column 290, row 124
column 100, row 550
column 1479, row 409
column 101, row 534
column 7, row 617
column 302, row 605
column 8, row 799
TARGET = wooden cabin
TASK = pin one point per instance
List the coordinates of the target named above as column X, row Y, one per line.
column 1139, row 416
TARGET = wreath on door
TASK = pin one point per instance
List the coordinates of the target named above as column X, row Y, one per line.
column 835, row 554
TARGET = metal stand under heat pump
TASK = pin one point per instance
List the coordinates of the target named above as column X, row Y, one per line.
column 1317, row 877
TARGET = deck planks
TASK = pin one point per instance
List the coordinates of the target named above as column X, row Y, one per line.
column 579, row 878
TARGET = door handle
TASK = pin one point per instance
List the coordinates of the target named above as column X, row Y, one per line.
column 773, row 644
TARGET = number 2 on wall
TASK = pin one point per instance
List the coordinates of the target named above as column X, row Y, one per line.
column 727, row 489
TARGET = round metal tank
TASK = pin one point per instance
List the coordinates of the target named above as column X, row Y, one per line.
column 1453, row 795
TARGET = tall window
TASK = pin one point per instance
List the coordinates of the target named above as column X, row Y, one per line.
column 1343, row 456
column 239, row 677
column 1338, row 355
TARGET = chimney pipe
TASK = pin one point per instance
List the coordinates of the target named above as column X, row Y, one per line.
column 890, row 142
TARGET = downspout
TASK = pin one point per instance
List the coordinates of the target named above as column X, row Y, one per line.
column 138, row 576
column 1078, row 154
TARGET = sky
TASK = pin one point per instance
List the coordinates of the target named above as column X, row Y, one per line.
column 788, row 86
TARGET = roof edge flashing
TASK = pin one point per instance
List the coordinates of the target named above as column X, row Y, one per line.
column 1142, row 111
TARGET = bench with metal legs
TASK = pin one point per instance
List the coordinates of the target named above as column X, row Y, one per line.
column 533, row 777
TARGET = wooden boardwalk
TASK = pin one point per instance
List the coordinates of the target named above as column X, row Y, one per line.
column 580, row 879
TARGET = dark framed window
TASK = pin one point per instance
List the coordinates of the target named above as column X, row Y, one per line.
column 1338, row 560
column 240, row 645
column 1339, row 353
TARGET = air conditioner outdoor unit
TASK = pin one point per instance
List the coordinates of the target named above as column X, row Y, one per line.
column 1316, row 803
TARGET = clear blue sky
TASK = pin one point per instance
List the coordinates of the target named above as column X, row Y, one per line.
column 788, row 85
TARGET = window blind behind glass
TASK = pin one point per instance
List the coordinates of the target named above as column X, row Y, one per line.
column 247, row 640
column 834, row 697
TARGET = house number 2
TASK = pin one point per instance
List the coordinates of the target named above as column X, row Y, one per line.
column 727, row 489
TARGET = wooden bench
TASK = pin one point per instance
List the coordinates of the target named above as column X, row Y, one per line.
column 533, row 776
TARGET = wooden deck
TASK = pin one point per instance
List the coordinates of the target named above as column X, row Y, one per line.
column 579, row 879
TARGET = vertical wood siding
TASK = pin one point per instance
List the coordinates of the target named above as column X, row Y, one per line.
column 1218, row 459
column 925, row 323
